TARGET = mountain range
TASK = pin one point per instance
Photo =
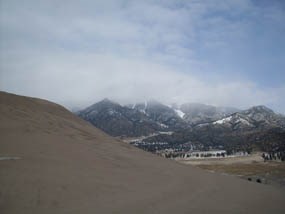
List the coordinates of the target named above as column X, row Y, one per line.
column 205, row 125
column 145, row 118
column 118, row 120
column 132, row 120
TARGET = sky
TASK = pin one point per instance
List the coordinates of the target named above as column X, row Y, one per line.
column 75, row 53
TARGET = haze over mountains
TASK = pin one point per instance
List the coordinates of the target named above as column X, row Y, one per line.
column 157, row 116
column 196, row 113
column 204, row 125
column 160, row 117
column 54, row 162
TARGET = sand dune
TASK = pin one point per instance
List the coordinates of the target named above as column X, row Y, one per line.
column 54, row 162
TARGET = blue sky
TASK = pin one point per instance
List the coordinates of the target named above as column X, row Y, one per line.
column 220, row 52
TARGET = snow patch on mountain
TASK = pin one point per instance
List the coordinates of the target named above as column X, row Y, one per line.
column 162, row 125
column 134, row 106
column 202, row 124
column 145, row 107
column 224, row 120
column 241, row 120
column 179, row 113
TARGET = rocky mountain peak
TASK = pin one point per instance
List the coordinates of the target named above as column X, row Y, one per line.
column 106, row 100
column 260, row 109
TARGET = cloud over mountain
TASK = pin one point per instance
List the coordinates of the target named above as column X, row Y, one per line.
column 216, row 52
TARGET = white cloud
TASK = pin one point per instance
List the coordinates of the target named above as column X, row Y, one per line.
column 81, row 79
column 76, row 54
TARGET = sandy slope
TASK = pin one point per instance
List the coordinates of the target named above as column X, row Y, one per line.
column 68, row 166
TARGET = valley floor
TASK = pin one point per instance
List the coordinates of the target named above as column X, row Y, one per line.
column 252, row 168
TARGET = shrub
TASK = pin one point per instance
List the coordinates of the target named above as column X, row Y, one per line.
column 258, row 180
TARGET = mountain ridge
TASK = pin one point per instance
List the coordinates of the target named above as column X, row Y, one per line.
column 177, row 117
column 204, row 125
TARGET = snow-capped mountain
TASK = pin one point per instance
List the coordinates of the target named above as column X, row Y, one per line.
column 196, row 113
column 202, row 124
column 162, row 114
column 257, row 117
column 134, row 119
column 118, row 120
column 257, row 127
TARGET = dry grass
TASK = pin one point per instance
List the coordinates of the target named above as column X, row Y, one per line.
column 275, row 168
column 252, row 166
column 272, row 173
